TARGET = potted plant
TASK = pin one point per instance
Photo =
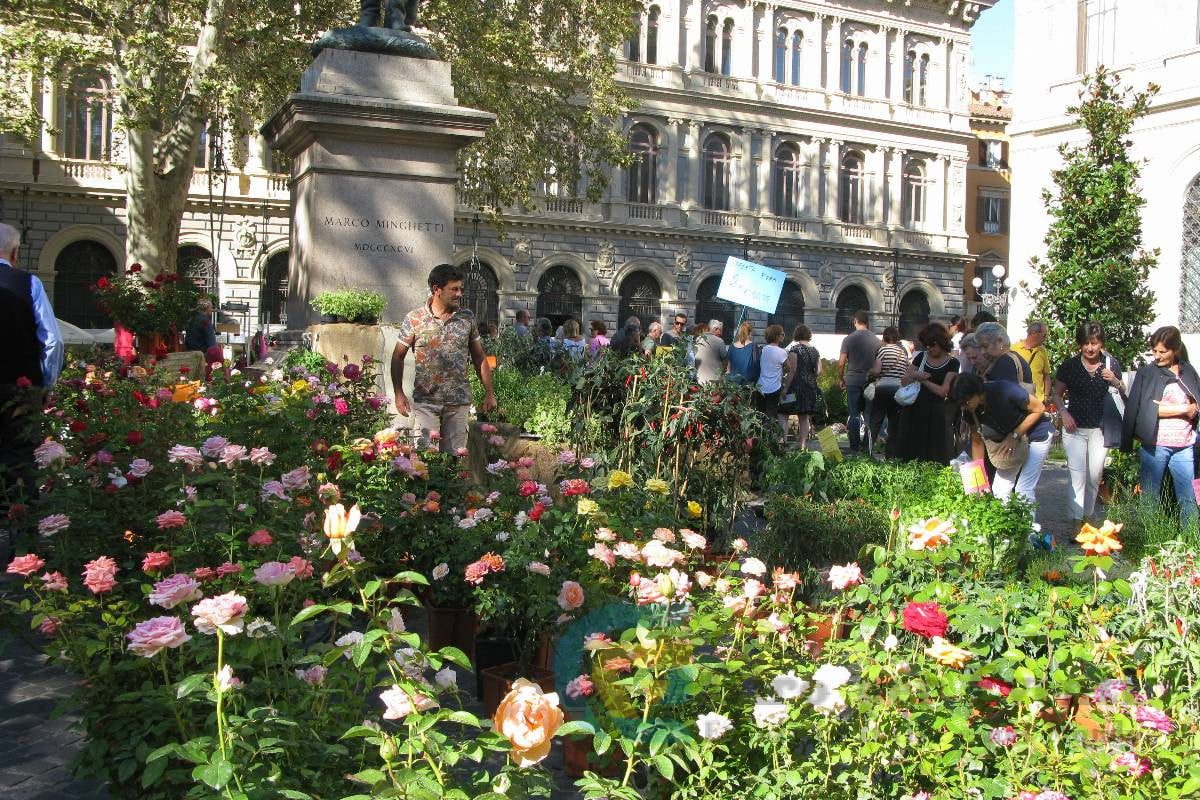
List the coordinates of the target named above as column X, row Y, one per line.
column 350, row 305
column 156, row 309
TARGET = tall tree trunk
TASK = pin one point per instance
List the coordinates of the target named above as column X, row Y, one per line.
column 155, row 205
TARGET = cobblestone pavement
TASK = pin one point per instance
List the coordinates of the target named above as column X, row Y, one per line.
column 36, row 749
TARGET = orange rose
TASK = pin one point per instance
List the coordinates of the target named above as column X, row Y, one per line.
column 930, row 534
column 1100, row 541
column 528, row 719
column 570, row 596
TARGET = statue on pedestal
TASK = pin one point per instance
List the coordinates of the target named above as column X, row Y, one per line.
column 384, row 26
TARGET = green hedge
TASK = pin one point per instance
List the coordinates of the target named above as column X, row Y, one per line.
column 538, row 403
column 802, row 533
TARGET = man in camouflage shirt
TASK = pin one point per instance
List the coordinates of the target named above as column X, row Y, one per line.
column 442, row 336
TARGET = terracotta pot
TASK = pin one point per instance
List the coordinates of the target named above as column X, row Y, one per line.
column 452, row 627
column 490, row 651
column 499, row 679
column 1077, row 709
column 823, row 630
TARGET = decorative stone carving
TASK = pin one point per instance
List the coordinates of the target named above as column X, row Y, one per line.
column 957, row 172
column 889, row 282
column 683, row 261
column 523, row 250
column 825, row 276
column 245, row 237
column 606, row 259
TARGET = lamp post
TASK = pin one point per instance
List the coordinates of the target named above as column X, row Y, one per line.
column 996, row 300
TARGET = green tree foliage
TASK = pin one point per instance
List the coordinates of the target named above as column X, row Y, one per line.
column 545, row 68
column 1095, row 267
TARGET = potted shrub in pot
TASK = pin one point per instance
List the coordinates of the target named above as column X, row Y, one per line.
column 350, row 305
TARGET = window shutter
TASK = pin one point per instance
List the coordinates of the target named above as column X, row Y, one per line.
column 980, row 213
column 1004, row 216
column 983, row 152
column 1004, row 155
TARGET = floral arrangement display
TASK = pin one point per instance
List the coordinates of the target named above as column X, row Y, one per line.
column 234, row 581
column 160, row 305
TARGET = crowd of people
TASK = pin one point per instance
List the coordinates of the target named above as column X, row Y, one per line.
column 983, row 397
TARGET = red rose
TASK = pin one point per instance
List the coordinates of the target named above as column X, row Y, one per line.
column 135, row 267
column 334, row 461
column 78, row 426
column 133, row 438
column 102, row 283
column 367, row 456
column 24, row 382
column 994, row 686
column 528, row 488
column 536, row 512
column 925, row 619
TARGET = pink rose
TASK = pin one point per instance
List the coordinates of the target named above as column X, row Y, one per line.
column 261, row 457
column 604, row 554
column 223, row 612
column 664, row 535
column 570, row 596
column 274, row 573
column 260, row 538
column 100, row 575
column 313, row 676
column 171, row 519
column 1135, row 764
column 140, row 467
column 228, row 568
column 628, row 551
column 692, row 539
column 1153, row 719
column 301, row 567
column 151, row 636
column 25, row 565
column 213, row 446
column 174, row 590
column 657, row 554
column 296, row 479
column 204, row 573
column 189, row 456
column 538, row 568
column 399, row 703
column 155, row 562
column 54, row 582
column 580, row 686
column 53, row 524
column 843, row 577
column 232, row 454
column 755, row 567
column 49, row 626
column 740, row 545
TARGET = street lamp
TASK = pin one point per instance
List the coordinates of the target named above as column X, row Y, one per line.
column 997, row 299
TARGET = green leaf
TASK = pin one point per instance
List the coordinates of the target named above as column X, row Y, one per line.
column 411, row 577
column 359, row 731
column 216, row 773
column 306, row 614
column 191, row 683
column 152, row 772
column 456, row 657
column 665, row 766
column 601, row 741
column 371, row 588
column 575, row 726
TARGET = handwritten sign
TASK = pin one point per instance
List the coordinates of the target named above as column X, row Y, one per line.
column 749, row 284
column 974, row 478
column 827, row 441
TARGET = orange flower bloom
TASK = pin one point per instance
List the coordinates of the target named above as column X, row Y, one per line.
column 946, row 654
column 930, row 534
column 1100, row 541
column 618, row 664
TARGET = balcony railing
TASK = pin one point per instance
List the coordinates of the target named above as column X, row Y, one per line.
column 89, row 170
column 644, row 211
column 991, row 227
column 720, row 219
column 564, row 205
column 788, row 225
column 278, row 183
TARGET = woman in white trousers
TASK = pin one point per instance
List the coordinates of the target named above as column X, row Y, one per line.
column 1087, row 381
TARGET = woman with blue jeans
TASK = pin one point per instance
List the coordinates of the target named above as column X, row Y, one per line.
column 1161, row 416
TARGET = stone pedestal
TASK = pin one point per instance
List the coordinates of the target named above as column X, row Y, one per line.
column 373, row 140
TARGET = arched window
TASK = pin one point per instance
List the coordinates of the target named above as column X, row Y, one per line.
column 642, row 181
column 847, row 66
column 922, row 80
column 797, row 47
column 851, row 299
column 76, row 270
column 710, row 307
column 87, row 119
column 788, row 181
column 910, row 75
column 273, row 302
column 851, row 191
column 197, row 263
column 790, row 311
column 861, row 83
column 652, row 35
column 560, row 295
column 716, row 172
column 1189, row 302
column 913, row 197
column 781, row 51
column 710, row 44
column 481, row 292
column 727, row 48
column 914, row 313
column 641, row 297
column 633, row 48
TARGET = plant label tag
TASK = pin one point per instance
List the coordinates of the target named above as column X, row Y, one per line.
column 974, row 477
column 1196, row 488
column 827, row 439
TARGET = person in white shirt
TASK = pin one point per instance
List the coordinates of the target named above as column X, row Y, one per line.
column 777, row 366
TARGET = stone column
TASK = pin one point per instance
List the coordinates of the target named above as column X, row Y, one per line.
column 832, row 72
column 936, row 190
column 258, row 154
column 669, row 163
column 833, row 162
column 764, row 36
column 695, row 164
column 745, row 171
column 694, row 23
column 937, row 75
column 766, row 153
column 48, row 100
column 896, row 66
column 668, row 33
column 895, row 187
column 812, row 200
column 374, row 140
column 876, row 174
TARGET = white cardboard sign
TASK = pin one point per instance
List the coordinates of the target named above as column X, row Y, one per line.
column 749, row 284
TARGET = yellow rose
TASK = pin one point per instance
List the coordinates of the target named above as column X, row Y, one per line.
column 587, row 506
column 946, row 654
column 619, row 480
column 299, row 385
column 693, row 509
column 657, row 485
column 339, row 524
column 387, row 436
column 528, row 718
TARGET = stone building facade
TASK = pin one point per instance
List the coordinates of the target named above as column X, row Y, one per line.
column 826, row 138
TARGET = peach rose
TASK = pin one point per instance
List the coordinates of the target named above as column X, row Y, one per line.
column 570, row 596
column 528, row 719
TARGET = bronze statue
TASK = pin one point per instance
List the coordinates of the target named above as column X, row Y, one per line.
column 401, row 14
column 376, row 33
